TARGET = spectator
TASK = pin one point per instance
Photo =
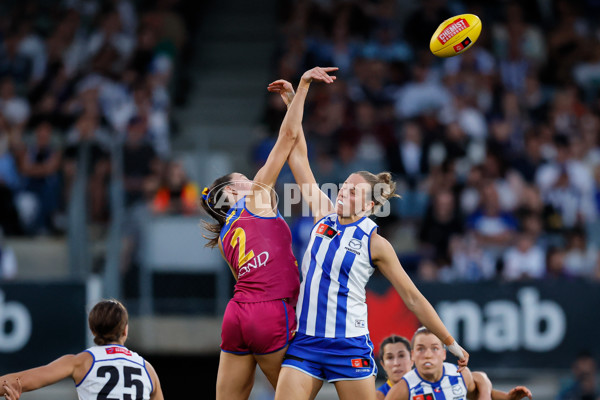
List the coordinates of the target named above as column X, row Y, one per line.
column 13, row 108
column 583, row 384
column 86, row 152
column 555, row 264
column 409, row 159
column 441, row 222
column 177, row 194
column 566, row 184
column 581, row 258
column 141, row 166
column 40, row 166
column 492, row 227
column 469, row 261
column 10, row 183
column 8, row 261
column 525, row 260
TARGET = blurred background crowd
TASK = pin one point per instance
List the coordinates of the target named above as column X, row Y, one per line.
column 81, row 84
column 75, row 79
column 496, row 152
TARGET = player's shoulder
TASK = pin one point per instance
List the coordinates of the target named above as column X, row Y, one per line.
column 379, row 246
column 411, row 378
column 451, row 369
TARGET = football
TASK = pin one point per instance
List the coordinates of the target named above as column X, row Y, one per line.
column 455, row 35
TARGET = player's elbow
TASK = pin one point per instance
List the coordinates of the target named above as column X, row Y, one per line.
column 289, row 133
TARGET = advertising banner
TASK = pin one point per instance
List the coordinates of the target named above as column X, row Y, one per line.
column 517, row 325
column 40, row 322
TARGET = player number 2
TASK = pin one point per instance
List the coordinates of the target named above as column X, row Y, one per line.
column 113, row 379
column 240, row 235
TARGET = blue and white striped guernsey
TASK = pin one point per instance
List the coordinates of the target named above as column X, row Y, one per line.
column 335, row 270
column 450, row 387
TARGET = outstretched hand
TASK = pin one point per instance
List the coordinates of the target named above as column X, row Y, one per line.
column 12, row 392
column 284, row 88
column 518, row 392
column 319, row 74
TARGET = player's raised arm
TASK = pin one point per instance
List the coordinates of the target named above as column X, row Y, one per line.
column 320, row 205
column 384, row 257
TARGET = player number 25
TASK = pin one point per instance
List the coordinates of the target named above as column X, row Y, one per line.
column 113, row 379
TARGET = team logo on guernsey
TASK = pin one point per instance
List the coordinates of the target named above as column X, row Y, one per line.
column 355, row 244
column 325, row 230
column 457, row 390
column 117, row 350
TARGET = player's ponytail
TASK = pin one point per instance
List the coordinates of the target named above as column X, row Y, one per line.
column 213, row 203
column 383, row 187
column 107, row 321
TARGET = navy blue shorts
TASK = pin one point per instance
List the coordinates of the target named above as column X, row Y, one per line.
column 332, row 359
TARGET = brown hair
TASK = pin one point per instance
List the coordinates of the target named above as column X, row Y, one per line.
column 382, row 185
column 107, row 321
column 392, row 339
column 421, row 331
column 214, row 206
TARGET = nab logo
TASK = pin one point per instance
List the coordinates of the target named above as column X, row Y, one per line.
column 15, row 325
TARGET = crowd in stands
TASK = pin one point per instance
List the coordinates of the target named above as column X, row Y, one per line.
column 80, row 81
column 496, row 152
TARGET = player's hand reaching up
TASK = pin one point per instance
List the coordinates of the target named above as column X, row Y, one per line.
column 319, row 74
column 284, row 88
column 518, row 392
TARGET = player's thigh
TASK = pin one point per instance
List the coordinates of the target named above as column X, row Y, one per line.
column 235, row 377
column 270, row 364
column 296, row 385
column 356, row 389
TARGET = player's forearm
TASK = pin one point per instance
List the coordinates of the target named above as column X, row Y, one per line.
column 291, row 126
column 427, row 315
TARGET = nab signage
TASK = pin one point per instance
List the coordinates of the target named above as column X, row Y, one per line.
column 538, row 324
column 526, row 324
column 15, row 325
column 40, row 322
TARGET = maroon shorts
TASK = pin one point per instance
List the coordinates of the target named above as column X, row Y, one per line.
column 257, row 328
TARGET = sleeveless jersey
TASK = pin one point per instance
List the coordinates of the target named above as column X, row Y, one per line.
column 385, row 388
column 335, row 270
column 259, row 249
column 450, row 387
column 116, row 373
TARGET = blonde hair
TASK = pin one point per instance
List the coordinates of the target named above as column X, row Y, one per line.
column 382, row 185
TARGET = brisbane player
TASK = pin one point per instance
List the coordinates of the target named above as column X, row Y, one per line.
column 256, row 242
